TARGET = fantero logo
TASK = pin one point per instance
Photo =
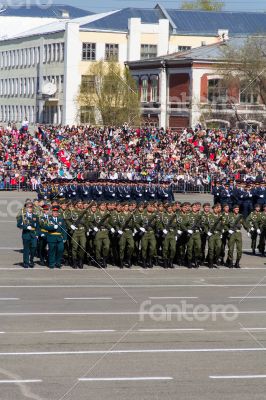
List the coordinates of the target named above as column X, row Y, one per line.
column 28, row 4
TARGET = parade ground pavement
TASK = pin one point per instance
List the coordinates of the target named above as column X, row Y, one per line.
column 131, row 334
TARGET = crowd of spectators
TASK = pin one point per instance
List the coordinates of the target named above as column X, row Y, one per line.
column 23, row 161
column 196, row 157
column 192, row 158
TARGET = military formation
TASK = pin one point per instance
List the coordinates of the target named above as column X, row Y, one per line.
column 106, row 190
column 77, row 232
column 245, row 194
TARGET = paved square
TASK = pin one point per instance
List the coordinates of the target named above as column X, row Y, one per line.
column 131, row 334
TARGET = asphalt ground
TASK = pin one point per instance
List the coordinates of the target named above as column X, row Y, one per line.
column 131, row 334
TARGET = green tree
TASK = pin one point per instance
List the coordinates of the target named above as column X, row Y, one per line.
column 205, row 5
column 244, row 65
column 111, row 92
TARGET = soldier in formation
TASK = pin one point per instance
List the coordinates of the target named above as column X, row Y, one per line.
column 75, row 233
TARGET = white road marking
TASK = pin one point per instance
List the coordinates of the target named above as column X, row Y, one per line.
column 21, row 381
column 171, row 298
column 166, row 313
column 169, row 330
column 83, row 331
column 132, row 351
column 141, row 378
column 253, row 329
column 237, row 376
column 9, row 298
column 125, row 286
column 248, row 298
column 88, row 298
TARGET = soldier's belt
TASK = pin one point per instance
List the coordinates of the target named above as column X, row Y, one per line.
column 103, row 229
column 43, row 230
column 56, row 233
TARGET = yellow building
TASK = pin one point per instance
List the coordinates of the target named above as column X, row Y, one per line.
column 41, row 69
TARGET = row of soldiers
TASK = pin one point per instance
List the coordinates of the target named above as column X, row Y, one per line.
column 245, row 194
column 128, row 233
column 105, row 190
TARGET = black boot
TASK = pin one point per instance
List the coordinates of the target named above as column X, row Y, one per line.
column 165, row 264
column 121, row 264
column 150, row 263
column 129, row 263
column 81, row 264
column 104, row 263
column 75, row 264
column 210, row 264
column 144, row 263
column 196, row 264
column 229, row 263
column 171, row 264
column 189, row 265
column 237, row 264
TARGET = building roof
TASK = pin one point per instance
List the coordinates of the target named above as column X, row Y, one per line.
column 42, row 11
column 57, row 26
column 118, row 21
column 210, row 53
column 208, row 22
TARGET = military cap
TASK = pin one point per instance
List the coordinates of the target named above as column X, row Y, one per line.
column 235, row 206
column 45, row 207
column 55, row 208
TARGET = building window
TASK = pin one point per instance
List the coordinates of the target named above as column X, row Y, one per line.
column 87, row 115
column 111, row 51
column 88, row 83
column 148, row 51
column 154, row 89
column 144, row 90
column 249, row 97
column 184, row 48
column 216, row 91
column 88, row 51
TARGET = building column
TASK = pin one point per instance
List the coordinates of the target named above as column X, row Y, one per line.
column 134, row 39
column 72, row 77
column 163, row 96
column 163, row 44
column 195, row 90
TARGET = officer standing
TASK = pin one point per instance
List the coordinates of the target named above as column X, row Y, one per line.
column 29, row 224
column 56, row 237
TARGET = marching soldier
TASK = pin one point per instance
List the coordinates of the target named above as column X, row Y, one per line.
column 124, row 224
column 29, row 224
column 192, row 225
column 262, row 228
column 76, row 224
column 235, row 223
column 253, row 225
column 204, row 219
column 146, row 224
column 43, row 236
column 214, row 230
column 100, row 225
column 167, row 224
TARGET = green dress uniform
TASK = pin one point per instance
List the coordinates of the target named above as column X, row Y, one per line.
column 43, row 239
column 56, row 236
column 124, row 228
column 214, row 228
column 225, row 235
column 262, row 227
column 100, row 225
column 235, row 223
column 253, row 225
column 147, row 226
column 167, row 224
column 76, row 224
column 192, row 225
column 29, row 225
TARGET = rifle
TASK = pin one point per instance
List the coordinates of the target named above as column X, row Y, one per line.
column 233, row 227
column 167, row 227
column 196, row 223
column 149, row 222
column 77, row 222
column 216, row 224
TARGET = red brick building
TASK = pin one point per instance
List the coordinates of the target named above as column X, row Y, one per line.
column 184, row 89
